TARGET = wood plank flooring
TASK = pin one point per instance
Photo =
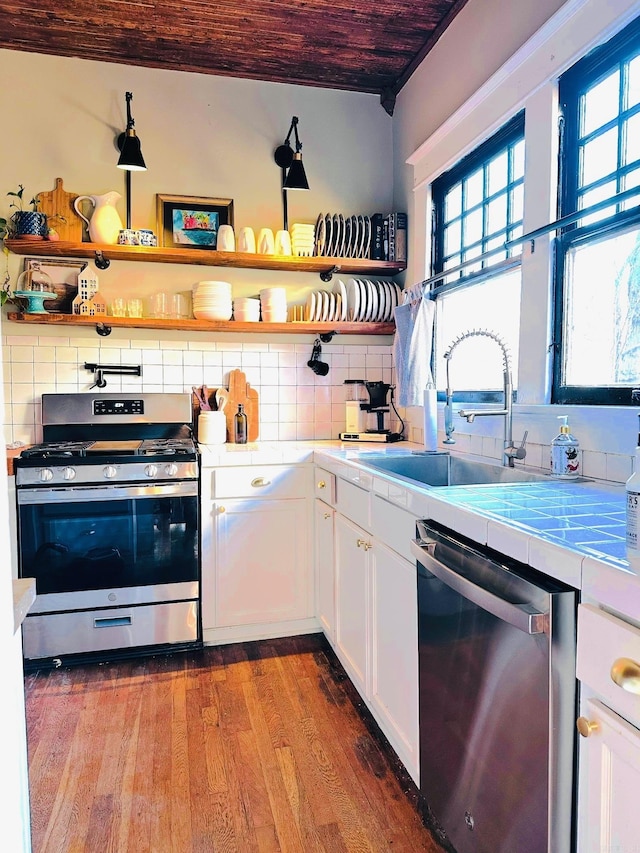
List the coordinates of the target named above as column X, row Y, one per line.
column 246, row 748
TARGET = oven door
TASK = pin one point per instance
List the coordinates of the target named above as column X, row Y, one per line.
column 109, row 545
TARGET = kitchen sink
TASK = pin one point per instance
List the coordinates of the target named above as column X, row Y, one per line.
column 441, row 469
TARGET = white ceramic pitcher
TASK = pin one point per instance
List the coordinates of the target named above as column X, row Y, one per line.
column 105, row 223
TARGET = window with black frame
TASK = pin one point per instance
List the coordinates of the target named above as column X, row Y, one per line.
column 597, row 302
column 477, row 209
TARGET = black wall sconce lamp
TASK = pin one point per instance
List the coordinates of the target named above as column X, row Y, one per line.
column 131, row 159
column 293, row 174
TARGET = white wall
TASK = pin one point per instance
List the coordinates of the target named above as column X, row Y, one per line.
column 202, row 136
column 510, row 59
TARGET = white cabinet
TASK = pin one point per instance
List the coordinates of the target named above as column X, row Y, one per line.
column 256, row 552
column 377, row 622
column 324, row 555
column 352, row 601
column 608, row 667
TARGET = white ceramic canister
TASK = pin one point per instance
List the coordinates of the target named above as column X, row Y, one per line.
column 212, row 428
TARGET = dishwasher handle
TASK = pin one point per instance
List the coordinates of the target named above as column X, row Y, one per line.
column 522, row 616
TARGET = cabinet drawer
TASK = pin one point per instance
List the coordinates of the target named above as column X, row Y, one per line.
column 393, row 526
column 325, row 486
column 608, row 648
column 261, row 481
column 353, row 502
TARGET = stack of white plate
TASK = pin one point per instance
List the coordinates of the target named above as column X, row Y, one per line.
column 246, row 309
column 212, row 300
column 273, row 305
column 302, row 239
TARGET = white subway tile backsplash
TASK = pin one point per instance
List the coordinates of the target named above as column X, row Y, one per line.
column 295, row 404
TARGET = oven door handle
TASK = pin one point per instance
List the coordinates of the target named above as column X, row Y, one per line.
column 522, row 616
column 73, row 494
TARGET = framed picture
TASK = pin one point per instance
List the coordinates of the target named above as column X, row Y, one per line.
column 190, row 222
column 64, row 275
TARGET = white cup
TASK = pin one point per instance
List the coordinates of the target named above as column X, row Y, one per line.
column 283, row 243
column 266, row 242
column 226, row 239
column 246, row 240
column 212, row 428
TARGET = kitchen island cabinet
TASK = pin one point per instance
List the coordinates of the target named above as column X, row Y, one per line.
column 256, row 552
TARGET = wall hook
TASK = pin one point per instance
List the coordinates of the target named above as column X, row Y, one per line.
column 100, row 261
column 327, row 275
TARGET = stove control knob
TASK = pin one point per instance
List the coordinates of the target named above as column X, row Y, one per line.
column 151, row 470
column 171, row 469
column 46, row 474
column 110, row 472
column 69, row 473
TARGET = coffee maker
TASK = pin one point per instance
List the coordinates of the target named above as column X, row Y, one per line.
column 367, row 401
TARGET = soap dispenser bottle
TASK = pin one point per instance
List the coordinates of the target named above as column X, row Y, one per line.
column 565, row 453
column 633, row 514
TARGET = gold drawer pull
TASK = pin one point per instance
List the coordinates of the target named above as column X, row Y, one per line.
column 626, row 674
column 259, row 482
column 322, row 484
column 362, row 543
column 586, row 727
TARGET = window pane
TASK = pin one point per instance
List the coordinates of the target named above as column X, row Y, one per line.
column 632, row 140
column 602, row 312
column 497, row 215
column 473, row 227
column 517, row 161
column 474, row 189
column 452, row 238
column 600, row 104
column 477, row 363
column 633, row 82
column 630, row 181
column 497, row 173
column 600, row 193
column 453, row 203
column 599, row 157
column 517, row 203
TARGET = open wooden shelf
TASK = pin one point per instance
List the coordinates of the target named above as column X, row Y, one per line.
column 295, row 328
column 204, row 257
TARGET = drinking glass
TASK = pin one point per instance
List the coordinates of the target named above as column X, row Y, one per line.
column 134, row 307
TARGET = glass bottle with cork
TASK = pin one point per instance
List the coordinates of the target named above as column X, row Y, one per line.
column 240, row 429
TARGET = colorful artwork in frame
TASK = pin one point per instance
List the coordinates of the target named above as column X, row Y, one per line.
column 191, row 222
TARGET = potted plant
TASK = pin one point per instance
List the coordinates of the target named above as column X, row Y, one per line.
column 26, row 224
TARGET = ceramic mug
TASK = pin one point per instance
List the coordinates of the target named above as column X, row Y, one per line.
column 129, row 237
column 226, row 240
column 147, row 237
column 246, row 240
column 266, row 242
column 283, row 243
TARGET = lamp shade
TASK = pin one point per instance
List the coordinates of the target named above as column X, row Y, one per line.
column 131, row 157
column 296, row 178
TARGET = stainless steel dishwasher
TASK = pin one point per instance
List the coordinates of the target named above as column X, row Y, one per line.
column 497, row 698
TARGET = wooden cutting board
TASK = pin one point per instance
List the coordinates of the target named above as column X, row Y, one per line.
column 59, row 203
column 241, row 392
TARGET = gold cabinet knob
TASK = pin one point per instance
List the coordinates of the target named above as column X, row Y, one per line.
column 625, row 672
column 327, row 515
column 362, row 543
column 222, row 509
column 322, row 484
column 586, row 727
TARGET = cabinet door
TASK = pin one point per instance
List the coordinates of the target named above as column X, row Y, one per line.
column 394, row 644
column 262, row 560
column 324, row 566
column 609, row 818
column 352, row 600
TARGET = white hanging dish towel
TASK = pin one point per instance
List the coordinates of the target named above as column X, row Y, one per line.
column 412, row 348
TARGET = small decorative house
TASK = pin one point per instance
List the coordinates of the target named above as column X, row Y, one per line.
column 88, row 302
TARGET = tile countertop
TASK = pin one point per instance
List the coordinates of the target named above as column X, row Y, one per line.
column 573, row 531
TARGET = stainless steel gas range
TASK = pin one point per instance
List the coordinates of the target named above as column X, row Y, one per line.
column 108, row 525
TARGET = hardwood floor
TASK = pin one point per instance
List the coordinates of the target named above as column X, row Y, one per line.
column 253, row 747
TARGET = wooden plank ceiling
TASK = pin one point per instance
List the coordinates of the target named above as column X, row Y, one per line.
column 357, row 45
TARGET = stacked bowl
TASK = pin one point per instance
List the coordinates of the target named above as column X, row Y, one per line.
column 302, row 239
column 273, row 305
column 212, row 300
column 246, row 309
